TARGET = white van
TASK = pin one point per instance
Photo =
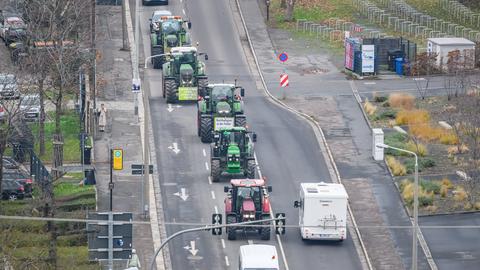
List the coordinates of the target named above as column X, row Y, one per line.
column 258, row 257
column 322, row 211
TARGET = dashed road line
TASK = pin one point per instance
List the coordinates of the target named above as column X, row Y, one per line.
column 227, row 262
column 204, row 152
column 206, row 166
column 210, row 180
column 223, row 243
column 213, row 194
column 183, row 10
column 216, row 209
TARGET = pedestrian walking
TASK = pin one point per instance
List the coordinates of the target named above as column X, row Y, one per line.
column 134, row 262
column 102, row 118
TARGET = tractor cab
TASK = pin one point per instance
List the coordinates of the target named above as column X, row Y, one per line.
column 247, row 200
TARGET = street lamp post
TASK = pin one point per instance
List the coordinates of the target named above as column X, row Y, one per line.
column 153, row 56
column 415, row 202
column 267, row 2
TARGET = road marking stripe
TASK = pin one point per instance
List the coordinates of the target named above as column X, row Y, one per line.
column 369, row 83
column 206, row 166
column 250, row 242
column 226, row 261
column 223, row 243
column 183, row 10
column 216, row 209
column 213, row 194
column 210, row 180
column 204, row 152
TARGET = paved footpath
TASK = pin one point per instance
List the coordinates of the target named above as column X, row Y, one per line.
column 114, row 77
column 319, row 90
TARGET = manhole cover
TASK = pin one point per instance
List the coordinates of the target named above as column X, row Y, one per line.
column 339, row 132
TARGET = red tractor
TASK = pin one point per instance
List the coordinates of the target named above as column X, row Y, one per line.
column 247, row 200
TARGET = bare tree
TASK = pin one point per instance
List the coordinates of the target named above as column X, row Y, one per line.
column 289, row 10
column 424, row 65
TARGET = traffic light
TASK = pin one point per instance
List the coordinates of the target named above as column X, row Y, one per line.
column 117, row 159
column 217, row 220
column 280, row 223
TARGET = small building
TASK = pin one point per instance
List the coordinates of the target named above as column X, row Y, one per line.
column 443, row 46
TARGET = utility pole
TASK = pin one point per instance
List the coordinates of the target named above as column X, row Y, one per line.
column 136, row 75
column 124, row 28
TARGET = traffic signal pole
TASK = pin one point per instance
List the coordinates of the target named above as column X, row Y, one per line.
column 110, row 185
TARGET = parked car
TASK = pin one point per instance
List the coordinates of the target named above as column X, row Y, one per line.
column 21, row 177
column 13, row 29
column 154, row 2
column 30, row 107
column 12, row 190
column 9, row 163
column 8, row 86
column 156, row 17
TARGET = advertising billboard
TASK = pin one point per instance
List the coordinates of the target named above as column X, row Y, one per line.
column 368, row 58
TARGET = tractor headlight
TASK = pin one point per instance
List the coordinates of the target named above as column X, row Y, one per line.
column 230, row 158
column 237, row 159
column 248, row 216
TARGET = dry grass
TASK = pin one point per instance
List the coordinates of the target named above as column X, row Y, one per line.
column 431, row 208
column 448, row 137
column 415, row 117
column 443, row 191
column 402, row 101
column 418, row 148
column 398, row 169
column 446, row 182
column 477, row 206
column 459, row 194
column 454, row 150
column 369, row 107
column 425, row 198
column 425, row 132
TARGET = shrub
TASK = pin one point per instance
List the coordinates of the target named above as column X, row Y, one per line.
column 459, row 194
column 369, row 107
column 431, row 208
column 418, row 148
column 448, row 137
column 398, row 169
column 446, row 182
column 379, row 99
column 407, row 191
column 412, row 117
column 425, row 198
column 453, row 150
column 385, row 104
column 391, row 114
column 425, row 131
column 477, row 206
column 395, row 139
column 430, row 186
column 400, row 100
column 443, row 191
column 422, row 164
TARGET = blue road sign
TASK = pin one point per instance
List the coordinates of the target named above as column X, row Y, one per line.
column 283, row 57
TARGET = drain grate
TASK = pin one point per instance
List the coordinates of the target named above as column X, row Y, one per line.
column 338, row 132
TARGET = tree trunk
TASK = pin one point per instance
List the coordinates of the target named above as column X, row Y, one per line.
column 289, row 11
column 41, row 127
column 283, row 4
column 57, row 139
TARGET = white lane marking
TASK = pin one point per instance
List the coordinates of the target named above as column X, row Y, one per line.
column 204, row 152
column 216, row 209
column 206, row 166
column 183, row 10
column 250, row 242
column 369, row 83
column 213, row 194
column 210, row 180
column 223, row 243
column 226, row 261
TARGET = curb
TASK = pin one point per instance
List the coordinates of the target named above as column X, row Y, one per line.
column 420, row 236
column 157, row 230
column 366, row 263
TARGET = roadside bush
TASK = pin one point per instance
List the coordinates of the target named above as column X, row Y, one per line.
column 422, row 164
column 395, row 139
column 418, row 148
column 430, row 186
column 459, row 194
column 412, row 117
column 443, row 191
column 390, row 114
column 446, row 182
column 425, row 199
column 453, row 150
column 425, row 131
column 448, row 137
column 369, row 107
column 400, row 100
column 398, row 169
column 407, row 188
column 379, row 98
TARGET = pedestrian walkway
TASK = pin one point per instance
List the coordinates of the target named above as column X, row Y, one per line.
column 319, row 90
column 114, row 73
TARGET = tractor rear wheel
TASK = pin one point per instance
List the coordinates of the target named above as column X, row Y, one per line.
column 157, row 61
column 265, row 231
column 251, row 169
column 215, row 170
column 206, row 129
column 240, row 121
column 163, row 88
column 231, row 231
column 170, row 91
column 202, row 86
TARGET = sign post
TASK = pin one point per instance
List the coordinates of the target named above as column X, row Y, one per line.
column 283, row 57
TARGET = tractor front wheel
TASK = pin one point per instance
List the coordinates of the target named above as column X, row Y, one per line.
column 215, row 170
column 265, row 231
column 231, row 231
column 206, row 129
column 202, row 86
column 251, row 169
column 170, row 91
column 240, row 121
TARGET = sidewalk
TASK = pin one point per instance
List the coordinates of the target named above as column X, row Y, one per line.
column 114, row 74
column 319, row 90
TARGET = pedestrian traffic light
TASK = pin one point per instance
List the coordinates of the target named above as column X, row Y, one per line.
column 280, row 223
column 117, row 159
column 217, row 220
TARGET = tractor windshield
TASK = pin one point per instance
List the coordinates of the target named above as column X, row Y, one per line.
column 187, row 58
column 169, row 27
column 221, row 92
column 245, row 193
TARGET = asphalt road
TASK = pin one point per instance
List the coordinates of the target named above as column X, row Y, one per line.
column 287, row 152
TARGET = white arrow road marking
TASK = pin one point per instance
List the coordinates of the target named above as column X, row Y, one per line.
column 182, row 194
column 174, row 148
column 191, row 248
column 171, row 109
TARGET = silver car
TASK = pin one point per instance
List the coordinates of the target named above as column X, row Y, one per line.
column 30, row 107
column 156, row 17
column 8, row 87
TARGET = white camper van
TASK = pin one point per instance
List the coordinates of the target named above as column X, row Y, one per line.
column 258, row 257
column 322, row 211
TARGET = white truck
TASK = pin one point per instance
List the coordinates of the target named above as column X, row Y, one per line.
column 322, row 211
column 258, row 257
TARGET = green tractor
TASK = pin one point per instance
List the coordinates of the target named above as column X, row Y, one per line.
column 221, row 106
column 184, row 75
column 169, row 33
column 231, row 154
